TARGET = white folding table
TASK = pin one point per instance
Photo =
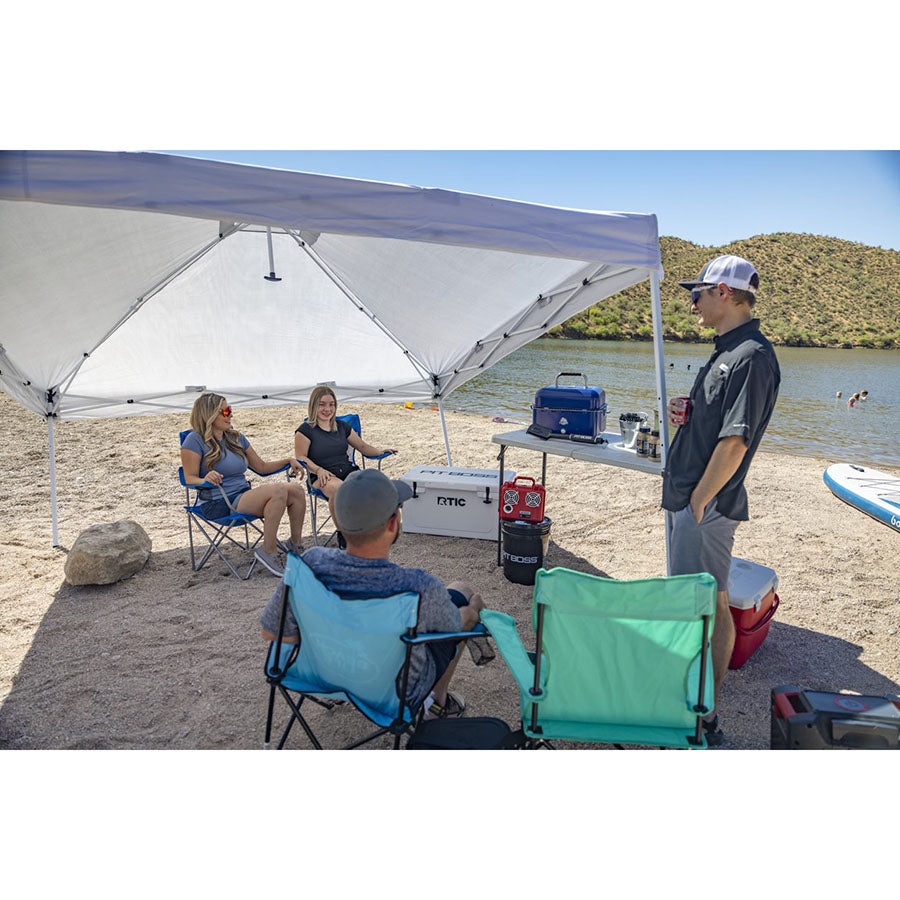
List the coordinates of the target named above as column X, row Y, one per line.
column 611, row 453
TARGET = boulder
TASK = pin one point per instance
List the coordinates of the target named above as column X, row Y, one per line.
column 106, row 553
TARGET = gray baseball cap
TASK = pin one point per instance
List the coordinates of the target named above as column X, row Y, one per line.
column 367, row 499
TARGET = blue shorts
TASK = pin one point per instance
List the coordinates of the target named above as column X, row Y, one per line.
column 443, row 652
column 218, row 509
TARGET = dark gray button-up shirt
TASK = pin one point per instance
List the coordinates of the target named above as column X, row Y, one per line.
column 734, row 394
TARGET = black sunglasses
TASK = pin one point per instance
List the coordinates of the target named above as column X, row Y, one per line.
column 697, row 291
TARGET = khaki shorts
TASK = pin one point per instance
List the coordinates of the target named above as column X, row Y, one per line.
column 703, row 546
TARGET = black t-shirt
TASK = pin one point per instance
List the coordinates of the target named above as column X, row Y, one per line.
column 328, row 448
column 734, row 394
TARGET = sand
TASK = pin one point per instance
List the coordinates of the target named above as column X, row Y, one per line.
column 172, row 658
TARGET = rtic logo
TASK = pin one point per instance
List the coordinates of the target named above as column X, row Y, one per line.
column 526, row 560
column 451, row 501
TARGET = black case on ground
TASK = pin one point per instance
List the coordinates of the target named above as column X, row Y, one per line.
column 821, row 720
column 476, row 733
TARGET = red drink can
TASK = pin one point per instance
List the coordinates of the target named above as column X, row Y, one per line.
column 681, row 410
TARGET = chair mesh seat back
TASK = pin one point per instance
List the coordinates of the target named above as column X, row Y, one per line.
column 352, row 647
column 623, row 652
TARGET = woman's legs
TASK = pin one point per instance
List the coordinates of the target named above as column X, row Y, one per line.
column 330, row 489
column 269, row 502
column 296, row 510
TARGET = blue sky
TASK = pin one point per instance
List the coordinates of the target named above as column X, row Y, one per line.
column 708, row 197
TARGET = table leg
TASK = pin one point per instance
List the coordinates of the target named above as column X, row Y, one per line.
column 500, row 502
column 544, row 471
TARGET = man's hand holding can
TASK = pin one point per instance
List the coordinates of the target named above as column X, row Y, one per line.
column 679, row 410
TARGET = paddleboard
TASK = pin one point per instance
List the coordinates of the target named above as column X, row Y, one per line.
column 875, row 493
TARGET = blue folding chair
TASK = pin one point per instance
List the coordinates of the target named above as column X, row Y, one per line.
column 315, row 494
column 348, row 650
column 219, row 530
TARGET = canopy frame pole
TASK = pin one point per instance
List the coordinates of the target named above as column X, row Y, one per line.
column 420, row 367
column 152, row 291
column 52, row 454
column 659, row 363
column 444, row 426
column 576, row 290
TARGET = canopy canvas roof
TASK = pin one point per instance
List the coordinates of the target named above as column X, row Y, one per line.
column 131, row 280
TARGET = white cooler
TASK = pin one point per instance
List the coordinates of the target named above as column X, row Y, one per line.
column 453, row 501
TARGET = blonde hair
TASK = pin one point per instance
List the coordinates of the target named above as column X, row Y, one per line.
column 312, row 415
column 204, row 412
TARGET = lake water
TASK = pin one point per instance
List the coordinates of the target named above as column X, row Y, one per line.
column 808, row 420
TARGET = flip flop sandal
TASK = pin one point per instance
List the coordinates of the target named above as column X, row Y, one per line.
column 714, row 735
column 453, row 707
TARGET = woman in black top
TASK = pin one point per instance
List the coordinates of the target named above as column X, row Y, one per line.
column 322, row 444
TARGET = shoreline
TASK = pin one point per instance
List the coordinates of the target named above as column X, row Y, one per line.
column 173, row 658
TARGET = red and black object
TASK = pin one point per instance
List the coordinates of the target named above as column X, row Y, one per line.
column 522, row 501
column 822, row 720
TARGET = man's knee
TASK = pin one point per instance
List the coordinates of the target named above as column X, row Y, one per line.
column 463, row 587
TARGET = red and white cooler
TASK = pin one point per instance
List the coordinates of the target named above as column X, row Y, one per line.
column 753, row 601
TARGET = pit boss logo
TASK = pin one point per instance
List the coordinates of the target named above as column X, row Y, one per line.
column 451, row 501
column 523, row 560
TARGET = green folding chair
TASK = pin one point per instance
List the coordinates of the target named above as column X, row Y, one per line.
column 617, row 662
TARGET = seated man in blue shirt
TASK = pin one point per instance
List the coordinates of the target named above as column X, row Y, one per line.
column 368, row 510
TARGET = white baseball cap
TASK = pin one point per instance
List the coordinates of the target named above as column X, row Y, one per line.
column 735, row 271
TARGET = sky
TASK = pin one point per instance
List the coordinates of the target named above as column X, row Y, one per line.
column 706, row 197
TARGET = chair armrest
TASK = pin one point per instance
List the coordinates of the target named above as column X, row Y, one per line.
column 193, row 487
column 380, row 455
column 435, row 636
column 502, row 629
column 284, row 468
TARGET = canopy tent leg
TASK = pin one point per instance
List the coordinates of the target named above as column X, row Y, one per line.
column 659, row 363
column 444, row 426
column 52, row 455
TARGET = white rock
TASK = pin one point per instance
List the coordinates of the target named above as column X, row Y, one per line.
column 106, row 553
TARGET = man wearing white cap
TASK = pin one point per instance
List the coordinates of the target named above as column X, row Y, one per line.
column 730, row 406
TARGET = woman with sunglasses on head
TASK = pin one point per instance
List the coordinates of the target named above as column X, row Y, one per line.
column 322, row 443
column 217, row 454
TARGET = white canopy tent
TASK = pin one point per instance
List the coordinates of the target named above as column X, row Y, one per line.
column 131, row 281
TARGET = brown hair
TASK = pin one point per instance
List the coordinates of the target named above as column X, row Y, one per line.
column 204, row 412
column 312, row 414
column 743, row 297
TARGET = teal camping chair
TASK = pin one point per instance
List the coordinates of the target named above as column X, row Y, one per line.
column 618, row 662
column 355, row 650
column 315, row 495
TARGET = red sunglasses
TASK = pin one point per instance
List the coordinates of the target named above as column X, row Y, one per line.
column 226, row 411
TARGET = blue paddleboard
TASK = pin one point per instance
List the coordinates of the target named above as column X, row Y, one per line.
column 875, row 493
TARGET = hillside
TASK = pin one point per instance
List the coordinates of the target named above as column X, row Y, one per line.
column 814, row 292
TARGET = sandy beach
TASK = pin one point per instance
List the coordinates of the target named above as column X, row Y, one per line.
column 171, row 658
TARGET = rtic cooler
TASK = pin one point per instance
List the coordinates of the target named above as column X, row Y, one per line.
column 453, row 501
column 522, row 499
column 753, row 601
column 821, row 720
column 570, row 409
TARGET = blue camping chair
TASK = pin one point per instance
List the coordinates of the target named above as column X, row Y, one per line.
column 217, row 531
column 617, row 662
column 348, row 650
column 315, row 495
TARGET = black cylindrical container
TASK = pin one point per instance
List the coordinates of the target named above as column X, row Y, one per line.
column 524, row 547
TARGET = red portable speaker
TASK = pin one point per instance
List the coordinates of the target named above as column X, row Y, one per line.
column 522, row 501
